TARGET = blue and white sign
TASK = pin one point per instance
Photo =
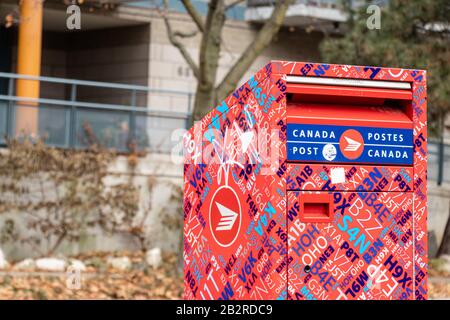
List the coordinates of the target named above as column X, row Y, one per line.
column 326, row 143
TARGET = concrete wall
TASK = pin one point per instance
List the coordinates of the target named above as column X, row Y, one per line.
column 118, row 55
column 168, row 176
column 438, row 213
column 157, row 205
column 168, row 70
column 53, row 62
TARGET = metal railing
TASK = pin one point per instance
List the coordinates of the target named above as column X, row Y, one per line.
column 334, row 4
column 235, row 12
column 76, row 123
column 85, row 112
column 316, row 3
column 438, row 161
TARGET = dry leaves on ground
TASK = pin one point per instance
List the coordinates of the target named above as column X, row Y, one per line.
column 141, row 282
column 439, row 290
column 101, row 282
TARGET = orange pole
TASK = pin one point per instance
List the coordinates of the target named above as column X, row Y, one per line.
column 29, row 63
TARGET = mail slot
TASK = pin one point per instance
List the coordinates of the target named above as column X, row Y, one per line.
column 308, row 182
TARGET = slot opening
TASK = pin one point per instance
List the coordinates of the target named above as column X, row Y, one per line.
column 395, row 101
column 316, row 207
column 316, row 210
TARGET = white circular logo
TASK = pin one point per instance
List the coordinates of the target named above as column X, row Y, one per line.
column 225, row 216
column 329, row 152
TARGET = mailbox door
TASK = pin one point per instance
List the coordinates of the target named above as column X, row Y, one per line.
column 350, row 245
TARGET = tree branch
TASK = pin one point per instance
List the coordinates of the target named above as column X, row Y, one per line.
column 254, row 49
column 194, row 14
column 176, row 43
column 210, row 44
column 231, row 5
column 182, row 34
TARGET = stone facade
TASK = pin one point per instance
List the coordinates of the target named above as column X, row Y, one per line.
column 156, row 205
column 169, row 71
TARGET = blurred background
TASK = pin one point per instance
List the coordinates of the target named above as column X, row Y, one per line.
column 94, row 95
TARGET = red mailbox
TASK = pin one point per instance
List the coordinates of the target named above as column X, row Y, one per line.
column 309, row 182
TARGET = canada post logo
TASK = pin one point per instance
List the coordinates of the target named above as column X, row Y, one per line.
column 351, row 144
column 368, row 145
column 225, row 216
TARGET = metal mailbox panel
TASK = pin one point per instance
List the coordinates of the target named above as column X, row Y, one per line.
column 345, row 133
column 215, row 271
column 364, row 250
column 349, row 144
column 316, row 177
column 235, row 239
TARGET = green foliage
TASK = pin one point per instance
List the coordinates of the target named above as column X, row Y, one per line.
column 411, row 36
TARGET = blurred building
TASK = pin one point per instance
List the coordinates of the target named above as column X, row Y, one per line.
column 125, row 42
column 119, row 82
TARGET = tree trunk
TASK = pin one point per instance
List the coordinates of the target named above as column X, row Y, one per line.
column 444, row 248
column 207, row 94
column 209, row 59
column 254, row 49
column 205, row 100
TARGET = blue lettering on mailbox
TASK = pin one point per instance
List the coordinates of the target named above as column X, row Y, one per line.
column 326, row 143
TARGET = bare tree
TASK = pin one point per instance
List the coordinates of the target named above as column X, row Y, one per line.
column 208, row 94
column 444, row 247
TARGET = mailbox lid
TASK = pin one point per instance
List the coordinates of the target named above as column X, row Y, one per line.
column 348, row 115
column 340, row 133
column 322, row 89
column 364, row 250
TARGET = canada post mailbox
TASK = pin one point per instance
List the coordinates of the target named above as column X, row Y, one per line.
column 309, row 182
